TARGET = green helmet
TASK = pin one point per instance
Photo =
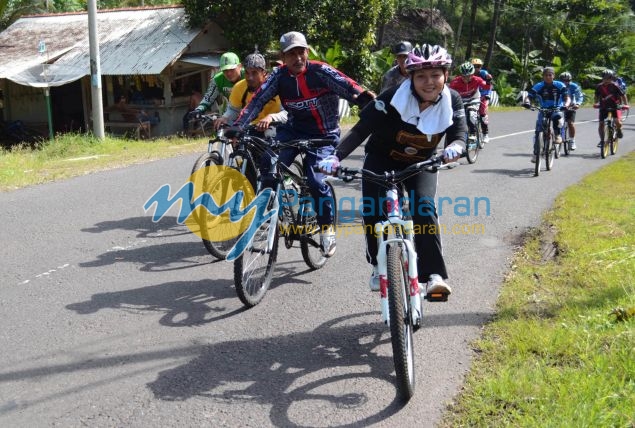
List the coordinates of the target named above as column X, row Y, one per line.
column 466, row 69
column 229, row 61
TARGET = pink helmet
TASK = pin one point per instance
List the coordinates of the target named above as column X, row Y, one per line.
column 428, row 56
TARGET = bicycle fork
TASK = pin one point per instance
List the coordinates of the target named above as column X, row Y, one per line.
column 396, row 226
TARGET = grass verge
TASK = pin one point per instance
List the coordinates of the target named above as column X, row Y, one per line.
column 72, row 155
column 561, row 350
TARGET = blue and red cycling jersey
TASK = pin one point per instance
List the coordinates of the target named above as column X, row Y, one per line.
column 311, row 98
column 553, row 95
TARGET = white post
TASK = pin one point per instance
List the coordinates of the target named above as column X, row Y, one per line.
column 95, row 71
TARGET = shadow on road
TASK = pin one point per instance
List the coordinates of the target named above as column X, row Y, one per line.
column 184, row 303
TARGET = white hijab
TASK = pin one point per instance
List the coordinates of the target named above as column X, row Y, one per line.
column 433, row 120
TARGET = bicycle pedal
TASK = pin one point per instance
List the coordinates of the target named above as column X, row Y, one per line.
column 436, row 297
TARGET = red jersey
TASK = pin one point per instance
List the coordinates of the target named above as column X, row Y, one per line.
column 470, row 90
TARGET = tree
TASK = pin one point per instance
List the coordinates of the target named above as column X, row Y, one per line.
column 352, row 24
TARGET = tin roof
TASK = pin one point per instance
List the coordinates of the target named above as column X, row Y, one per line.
column 133, row 41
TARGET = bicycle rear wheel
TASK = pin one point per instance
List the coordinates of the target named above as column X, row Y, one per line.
column 401, row 327
column 253, row 270
column 310, row 240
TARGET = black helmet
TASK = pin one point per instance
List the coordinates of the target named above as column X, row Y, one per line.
column 255, row 60
column 608, row 74
column 401, row 48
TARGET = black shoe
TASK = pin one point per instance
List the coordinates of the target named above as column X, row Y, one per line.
column 600, row 143
column 619, row 134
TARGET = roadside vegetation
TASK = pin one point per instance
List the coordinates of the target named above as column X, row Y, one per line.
column 71, row 155
column 561, row 350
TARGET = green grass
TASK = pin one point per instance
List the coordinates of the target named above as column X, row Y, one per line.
column 71, row 155
column 561, row 349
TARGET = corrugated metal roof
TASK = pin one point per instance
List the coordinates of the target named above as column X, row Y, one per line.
column 139, row 41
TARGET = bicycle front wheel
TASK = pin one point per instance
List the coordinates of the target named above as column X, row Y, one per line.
column 479, row 134
column 253, row 270
column 537, row 153
column 401, row 327
column 218, row 249
column 471, row 150
column 549, row 149
column 310, row 240
column 614, row 143
column 608, row 136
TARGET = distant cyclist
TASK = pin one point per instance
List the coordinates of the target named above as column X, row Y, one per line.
column 221, row 83
column 468, row 85
column 398, row 73
column 575, row 93
column 550, row 93
column 608, row 95
column 486, row 92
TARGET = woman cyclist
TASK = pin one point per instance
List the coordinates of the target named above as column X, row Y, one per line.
column 406, row 124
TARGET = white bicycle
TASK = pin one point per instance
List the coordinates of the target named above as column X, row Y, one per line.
column 401, row 303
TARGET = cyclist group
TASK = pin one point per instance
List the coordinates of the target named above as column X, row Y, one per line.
column 567, row 95
column 418, row 106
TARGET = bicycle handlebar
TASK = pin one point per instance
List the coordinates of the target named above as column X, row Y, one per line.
column 433, row 164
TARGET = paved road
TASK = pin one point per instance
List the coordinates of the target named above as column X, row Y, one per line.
column 112, row 320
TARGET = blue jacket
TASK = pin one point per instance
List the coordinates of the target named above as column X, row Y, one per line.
column 575, row 93
column 553, row 95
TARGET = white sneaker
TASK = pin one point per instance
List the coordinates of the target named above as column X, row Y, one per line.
column 485, row 138
column 436, row 285
column 373, row 283
column 327, row 243
column 572, row 145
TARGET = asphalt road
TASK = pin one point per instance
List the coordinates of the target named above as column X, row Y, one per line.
column 112, row 320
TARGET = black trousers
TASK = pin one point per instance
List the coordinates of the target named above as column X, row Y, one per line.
column 422, row 189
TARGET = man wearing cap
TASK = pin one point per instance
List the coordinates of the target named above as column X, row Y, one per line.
column 220, row 85
column 310, row 93
column 243, row 91
column 398, row 73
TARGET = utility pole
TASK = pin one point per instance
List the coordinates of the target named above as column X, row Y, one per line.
column 95, row 72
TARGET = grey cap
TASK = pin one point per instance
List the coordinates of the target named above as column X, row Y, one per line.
column 402, row 48
column 291, row 40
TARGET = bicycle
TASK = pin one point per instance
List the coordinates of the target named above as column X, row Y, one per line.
column 296, row 219
column 400, row 299
column 546, row 136
column 473, row 146
column 202, row 125
column 610, row 141
column 566, row 140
